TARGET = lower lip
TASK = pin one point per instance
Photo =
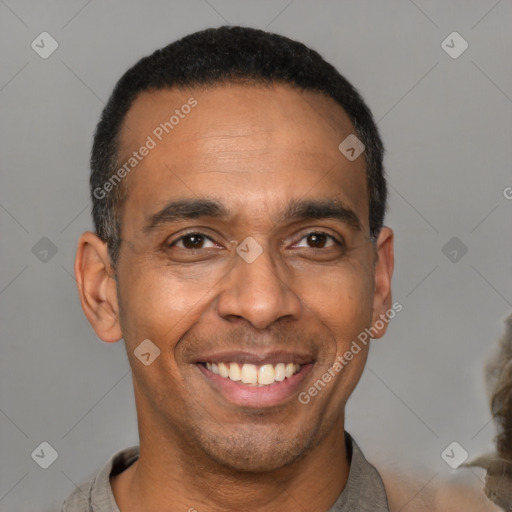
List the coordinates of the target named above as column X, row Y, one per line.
column 244, row 395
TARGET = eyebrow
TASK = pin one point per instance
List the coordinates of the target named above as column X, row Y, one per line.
column 316, row 209
column 295, row 210
column 185, row 209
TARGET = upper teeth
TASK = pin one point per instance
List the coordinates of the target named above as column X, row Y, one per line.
column 252, row 374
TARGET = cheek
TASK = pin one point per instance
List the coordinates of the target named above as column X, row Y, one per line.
column 157, row 307
column 341, row 303
column 161, row 303
column 341, row 299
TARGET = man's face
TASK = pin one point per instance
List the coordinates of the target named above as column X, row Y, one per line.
column 265, row 162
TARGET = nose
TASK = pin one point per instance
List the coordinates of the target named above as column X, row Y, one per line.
column 257, row 293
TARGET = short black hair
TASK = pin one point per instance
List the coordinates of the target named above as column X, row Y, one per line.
column 227, row 54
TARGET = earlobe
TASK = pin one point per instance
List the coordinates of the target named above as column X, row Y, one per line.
column 383, row 273
column 97, row 287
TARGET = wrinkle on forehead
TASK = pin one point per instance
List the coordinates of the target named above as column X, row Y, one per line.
column 240, row 141
column 313, row 111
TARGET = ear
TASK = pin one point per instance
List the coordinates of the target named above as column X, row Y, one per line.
column 97, row 287
column 385, row 262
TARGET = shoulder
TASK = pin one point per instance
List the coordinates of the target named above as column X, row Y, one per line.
column 97, row 490
column 364, row 489
column 421, row 493
column 80, row 499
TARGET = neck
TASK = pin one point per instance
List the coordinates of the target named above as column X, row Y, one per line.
column 169, row 479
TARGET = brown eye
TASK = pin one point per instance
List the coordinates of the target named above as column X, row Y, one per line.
column 192, row 241
column 317, row 240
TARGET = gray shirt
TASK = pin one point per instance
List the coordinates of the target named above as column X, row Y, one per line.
column 364, row 491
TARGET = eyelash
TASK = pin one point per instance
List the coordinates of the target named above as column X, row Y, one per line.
column 192, row 233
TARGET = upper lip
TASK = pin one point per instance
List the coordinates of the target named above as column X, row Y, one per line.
column 257, row 358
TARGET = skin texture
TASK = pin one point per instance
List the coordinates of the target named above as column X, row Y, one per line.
column 253, row 149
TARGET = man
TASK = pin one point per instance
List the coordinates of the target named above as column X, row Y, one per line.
column 238, row 200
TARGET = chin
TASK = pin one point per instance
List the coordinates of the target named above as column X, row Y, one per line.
column 254, row 461
column 256, row 450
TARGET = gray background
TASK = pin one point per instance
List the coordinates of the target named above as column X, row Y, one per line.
column 446, row 124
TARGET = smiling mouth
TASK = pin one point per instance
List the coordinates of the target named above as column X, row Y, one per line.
column 253, row 375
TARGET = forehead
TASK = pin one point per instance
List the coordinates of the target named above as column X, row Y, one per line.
column 231, row 109
column 244, row 145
